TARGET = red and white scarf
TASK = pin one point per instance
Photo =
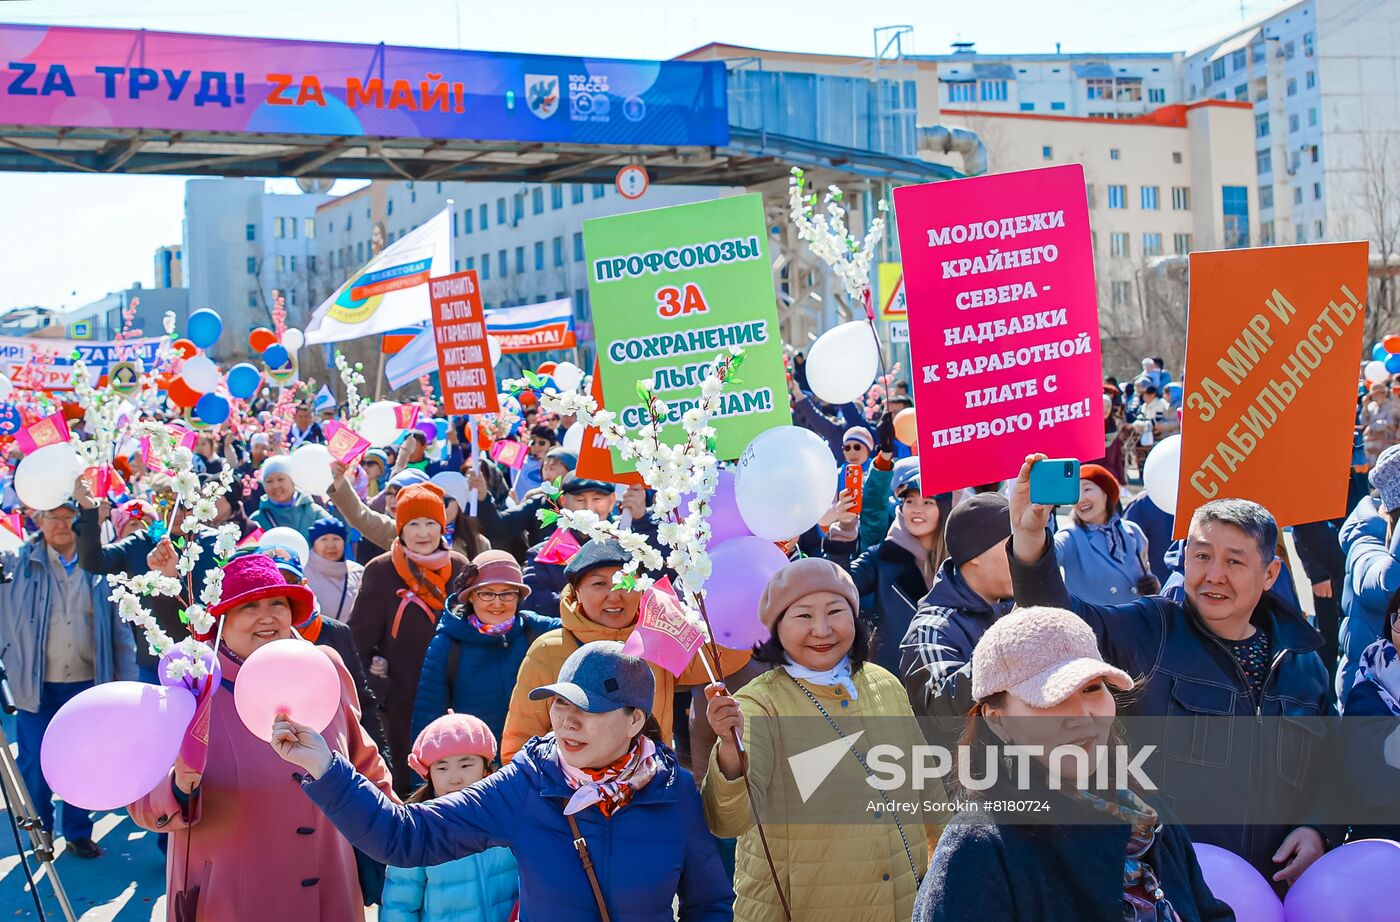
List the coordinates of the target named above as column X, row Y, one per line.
column 612, row 787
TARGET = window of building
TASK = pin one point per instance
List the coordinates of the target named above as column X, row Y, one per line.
column 455, row 227
column 576, row 193
column 558, row 252
column 1293, row 123
column 1235, row 211
column 291, row 264
column 309, row 225
column 1047, row 152
column 1263, row 162
column 360, row 252
column 1312, row 118
column 1181, row 198
column 539, row 255
column 456, row 265
column 502, row 267
column 993, row 90
column 292, row 297
column 1297, row 195
column 1217, row 69
column 1317, row 191
column 279, row 229
column 252, row 299
column 1242, row 93
column 1181, row 244
column 517, row 207
column 390, row 208
column 580, row 297
column 500, row 211
column 600, row 189
column 1089, row 194
column 485, row 266
column 1238, row 60
column 520, row 259
column 1300, row 234
column 1266, row 234
column 1317, row 230
column 1122, row 292
column 1117, row 196
column 1261, row 125
column 1261, row 90
column 467, row 221
column 1290, row 50
column 556, row 197
column 1308, row 45
column 1119, row 245
column 1151, row 244
column 1027, row 107
column 578, row 248
column 1114, row 153
column 1176, row 156
column 281, row 264
column 1310, row 79
column 482, row 214
column 1266, row 197
column 1292, row 86
column 1057, row 107
column 1099, row 88
column 1128, row 91
column 1207, row 75
column 1150, row 198
column 1156, row 95
column 961, row 91
column 537, row 200
column 252, row 265
column 1313, row 151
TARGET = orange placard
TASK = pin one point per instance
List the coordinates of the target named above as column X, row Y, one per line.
column 1273, row 344
column 594, row 456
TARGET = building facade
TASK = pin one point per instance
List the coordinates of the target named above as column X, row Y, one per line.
column 169, row 267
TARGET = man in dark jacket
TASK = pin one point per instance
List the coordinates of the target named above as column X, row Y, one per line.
column 972, row 589
column 1229, row 649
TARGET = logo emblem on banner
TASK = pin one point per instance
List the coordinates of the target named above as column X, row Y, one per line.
column 542, row 94
column 124, row 378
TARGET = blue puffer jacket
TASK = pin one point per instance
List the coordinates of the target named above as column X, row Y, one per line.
column 1372, row 577
column 477, row 888
column 486, row 669
column 651, row 851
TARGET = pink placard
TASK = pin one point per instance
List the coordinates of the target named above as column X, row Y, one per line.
column 1003, row 323
column 344, row 444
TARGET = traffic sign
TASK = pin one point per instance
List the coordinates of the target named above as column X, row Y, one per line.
column 632, row 181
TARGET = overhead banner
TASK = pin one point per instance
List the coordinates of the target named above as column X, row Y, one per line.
column 48, row 363
column 463, row 360
column 541, row 327
column 75, row 77
column 1003, row 323
column 673, row 288
column 1272, row 346
column 391, row 291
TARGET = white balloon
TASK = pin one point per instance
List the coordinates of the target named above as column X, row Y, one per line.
column 1161, row 474
column 454, row 485
column 44, row 479
column 843, row 362
column 293, row 339
column 378, row 424
column 573, row 438
column 493, row 348
column 7, row 387
column 568, row 377
column 786, row 480
column 289, row 538
column 1376, row 372
column 311, row 469
column 201, row 374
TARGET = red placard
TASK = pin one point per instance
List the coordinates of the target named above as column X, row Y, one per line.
column 594, row 457
column 459, row 332
column 1003, row 323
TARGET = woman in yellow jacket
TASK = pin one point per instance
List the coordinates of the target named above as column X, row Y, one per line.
column 841, row 854
column 592, row 608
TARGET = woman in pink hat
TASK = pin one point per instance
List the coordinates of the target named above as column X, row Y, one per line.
column 245, row 844
column 1092, row 855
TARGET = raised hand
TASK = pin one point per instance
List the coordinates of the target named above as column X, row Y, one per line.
column 301, row 745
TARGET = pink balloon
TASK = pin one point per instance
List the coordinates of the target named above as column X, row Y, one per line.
column 741, row 568
column 1354, row 882
column 115, row 743
column 290, row 676
column 1235, row 881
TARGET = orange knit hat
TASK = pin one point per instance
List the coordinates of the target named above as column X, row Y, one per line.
column 420, row 501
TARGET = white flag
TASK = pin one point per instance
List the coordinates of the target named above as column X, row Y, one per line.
column 391, row 291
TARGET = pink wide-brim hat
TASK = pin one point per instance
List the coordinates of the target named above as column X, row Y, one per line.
column 255, row 576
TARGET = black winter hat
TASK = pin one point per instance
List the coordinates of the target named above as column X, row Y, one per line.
column 593, row 555
column 975, row 525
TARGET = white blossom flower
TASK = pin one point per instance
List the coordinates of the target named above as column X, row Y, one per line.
column 186, row 483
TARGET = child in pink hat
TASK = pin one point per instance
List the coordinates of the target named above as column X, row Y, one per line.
column 452, row 753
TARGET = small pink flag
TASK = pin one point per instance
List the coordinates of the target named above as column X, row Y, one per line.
column 194, row 748
column 406, row 415
column 48, row 431
column 510, row 453
column 345, row 444
column 664, row 635
column 14, row 522
column 252, row 539
column 560, row 548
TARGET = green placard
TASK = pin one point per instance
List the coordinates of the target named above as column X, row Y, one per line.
column 673, row 288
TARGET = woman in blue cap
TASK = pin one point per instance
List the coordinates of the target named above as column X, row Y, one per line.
column 334, row 579
column 603, row 822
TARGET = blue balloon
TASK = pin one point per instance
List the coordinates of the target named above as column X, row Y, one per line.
column 441, row 425
column 211, row 409
column 276, row 356
column 1392, row 364
column 204, row 328
column 1378, row 353
column 243, row 381
column 10, row 419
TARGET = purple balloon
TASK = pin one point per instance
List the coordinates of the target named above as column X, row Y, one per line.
column 741, row 569
column 211, row 662
column 725, row 520
column 429, row 430
column 1235, row 881
column 1353, row 882
column 114, row 743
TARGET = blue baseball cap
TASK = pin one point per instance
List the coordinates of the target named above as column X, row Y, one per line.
column 598, row 677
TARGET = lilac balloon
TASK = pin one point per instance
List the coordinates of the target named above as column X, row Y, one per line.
column 1235, row 881
column 741, row 569
column 211, row 662
column 1353, row 882
column 429, row 430
column 725, row 520
column 115, row 743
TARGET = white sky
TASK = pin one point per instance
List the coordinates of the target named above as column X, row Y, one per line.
column 68, row 239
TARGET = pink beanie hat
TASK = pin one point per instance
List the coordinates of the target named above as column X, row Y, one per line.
column 449, row 736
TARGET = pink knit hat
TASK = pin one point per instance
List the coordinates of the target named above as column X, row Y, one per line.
column 1041, row 655
column 449, row 736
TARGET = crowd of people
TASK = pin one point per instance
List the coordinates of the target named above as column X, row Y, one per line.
column 498, row 752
